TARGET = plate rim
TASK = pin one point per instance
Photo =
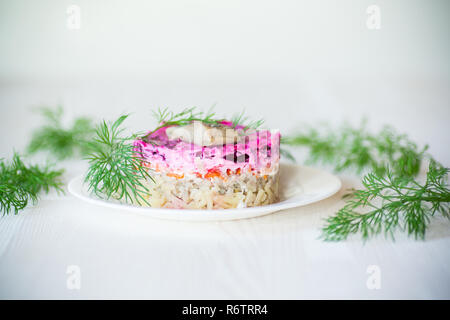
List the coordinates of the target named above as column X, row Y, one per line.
column 75, row 187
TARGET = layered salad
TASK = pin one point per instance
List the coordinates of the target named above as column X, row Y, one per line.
column 210, row 166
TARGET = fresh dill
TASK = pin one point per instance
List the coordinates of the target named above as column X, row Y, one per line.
column 391, row 202
column 21, row 184
column 116, row 169
column 392, row 198
column 240, row 119
column 63, row 143
column 355, row 148
column 165, row 118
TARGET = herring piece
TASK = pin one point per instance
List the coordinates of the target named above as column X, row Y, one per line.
column 200, row 134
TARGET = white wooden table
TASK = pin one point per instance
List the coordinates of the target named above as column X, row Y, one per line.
column 65, row 248
column 118, row 254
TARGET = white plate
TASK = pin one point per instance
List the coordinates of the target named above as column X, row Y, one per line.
column 299, row 186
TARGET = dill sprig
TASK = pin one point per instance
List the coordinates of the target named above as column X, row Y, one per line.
column 243, row 120
column 116, row 169
column 21, row 184
column 61, row 142
column 391, row 198
column 391, row 202
column 165, row 118
column 356, row 148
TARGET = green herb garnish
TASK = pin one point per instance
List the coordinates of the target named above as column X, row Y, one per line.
column 61, row 142
column 356, row 148
column 116, row 169
column 21, row 184
column 166, row 118
column 243, row 120
column 391, row 202
column 392, row 199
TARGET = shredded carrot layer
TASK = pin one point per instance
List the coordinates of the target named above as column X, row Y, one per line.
column 174, row 175
column 213, row 173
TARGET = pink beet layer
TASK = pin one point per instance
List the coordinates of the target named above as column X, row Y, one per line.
column 257, row 151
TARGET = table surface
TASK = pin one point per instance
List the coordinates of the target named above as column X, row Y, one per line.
column 289, row 62
column 278, row 256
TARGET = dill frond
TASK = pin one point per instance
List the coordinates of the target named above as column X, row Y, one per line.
column 391, row 202
column 21, row 184
column 243, row 120
column 165, row 118
column 392, row 198
column 115, row 169
column 355, row 148
column 63, row 143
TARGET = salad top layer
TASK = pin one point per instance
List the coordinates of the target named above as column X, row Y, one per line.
column 209, row 151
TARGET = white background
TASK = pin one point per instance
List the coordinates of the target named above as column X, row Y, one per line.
column 290, row 62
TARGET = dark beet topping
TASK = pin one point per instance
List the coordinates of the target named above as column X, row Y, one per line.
column 237, row 157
